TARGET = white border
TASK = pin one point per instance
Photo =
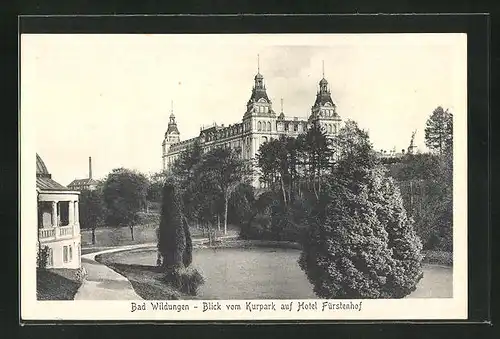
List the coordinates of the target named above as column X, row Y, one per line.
column 404, row 309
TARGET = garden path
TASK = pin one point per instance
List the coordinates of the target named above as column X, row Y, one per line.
column 102, row 283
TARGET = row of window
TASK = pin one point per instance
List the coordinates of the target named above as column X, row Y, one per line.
column 263, row 126
column 261, row 109
column 327, row 112
column 67, row 255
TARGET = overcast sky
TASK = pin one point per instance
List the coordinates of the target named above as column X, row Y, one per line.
column 109, row 96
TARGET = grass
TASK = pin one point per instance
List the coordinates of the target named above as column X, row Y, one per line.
column 107, row 237
column 57, row 284
column 146, row 280
column 438, row 258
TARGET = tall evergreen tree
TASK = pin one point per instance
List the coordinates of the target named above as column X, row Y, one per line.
column 171, row 235
column 361, row 243
column 439, row 130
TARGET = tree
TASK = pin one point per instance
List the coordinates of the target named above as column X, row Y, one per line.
column 224, row 168
column 155, row 186
column 346, row 254
column 125, row 193
column 317, row 153
column 92, row 210
column 172, row 233
column 360, row 243
column 402, row 238
column 439, row 130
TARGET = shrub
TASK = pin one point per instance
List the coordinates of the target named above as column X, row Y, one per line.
column 402, row 238
column 42, row 257
column 363, row 245
column 186, row 280
column 171, row 234
column 346, row 255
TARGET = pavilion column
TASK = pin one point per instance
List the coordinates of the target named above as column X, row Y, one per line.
column 71, row 213
column 54, row 214
column 77, row 217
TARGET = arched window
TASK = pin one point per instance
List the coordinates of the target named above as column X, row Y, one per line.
column 259, row 126
column 269, row 126
column 329, row 128
column 264, row 139
column 334, row 128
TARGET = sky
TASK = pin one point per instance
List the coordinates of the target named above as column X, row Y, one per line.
column 110, row 96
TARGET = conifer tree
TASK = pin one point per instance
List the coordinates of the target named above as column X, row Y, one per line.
column 172, row 236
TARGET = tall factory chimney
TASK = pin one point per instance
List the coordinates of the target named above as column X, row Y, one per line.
column 90, row 167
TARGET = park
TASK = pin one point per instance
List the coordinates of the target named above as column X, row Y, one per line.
column 331, row 220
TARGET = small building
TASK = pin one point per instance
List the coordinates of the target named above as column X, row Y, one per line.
column 87, row 184
column 58, row 220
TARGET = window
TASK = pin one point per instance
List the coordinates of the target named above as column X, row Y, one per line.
column 65, row 254
column 259, row 126
column 329, row 128
column 334, row 128
column 269, row 126
column 295, row 128
column 70, row 253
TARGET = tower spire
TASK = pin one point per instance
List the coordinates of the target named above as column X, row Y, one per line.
column 323, row 68
column 172, row 106
column 258, row 63
column 281, row 105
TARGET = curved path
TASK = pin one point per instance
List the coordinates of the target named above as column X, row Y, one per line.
column 102, row 283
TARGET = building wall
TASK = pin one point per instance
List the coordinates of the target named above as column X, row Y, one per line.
column 59, row 254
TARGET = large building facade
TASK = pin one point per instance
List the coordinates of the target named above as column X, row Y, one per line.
column 260, row 123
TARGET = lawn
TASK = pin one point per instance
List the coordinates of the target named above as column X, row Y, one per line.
column 57, row 284
column 107, row 237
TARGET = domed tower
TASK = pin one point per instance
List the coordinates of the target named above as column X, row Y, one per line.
column 324, row 110
column 259, row 120
column 172, row 136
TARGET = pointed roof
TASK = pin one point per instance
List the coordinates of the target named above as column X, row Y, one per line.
column 172, row 125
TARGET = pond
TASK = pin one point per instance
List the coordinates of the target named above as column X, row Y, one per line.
column 269, row 273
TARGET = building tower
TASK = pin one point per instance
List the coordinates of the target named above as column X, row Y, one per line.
column 259, row 120
column 172, row 136
column 324, row 110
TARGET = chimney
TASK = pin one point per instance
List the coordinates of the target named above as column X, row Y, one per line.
column 90, row 167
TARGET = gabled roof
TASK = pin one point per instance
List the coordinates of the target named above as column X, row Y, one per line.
column 82, row 182
column 47, row 184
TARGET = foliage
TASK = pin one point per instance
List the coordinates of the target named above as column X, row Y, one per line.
column 403, row 240
column 124, row 194
column 42, row 257
column 293, row 165
column 92, row 209
column 171, row 235
column 155, row 186
column 240, row 204
column 360, row 243
column 186, row 280
column 346, row 253
column 187, row 257
column 439, row 130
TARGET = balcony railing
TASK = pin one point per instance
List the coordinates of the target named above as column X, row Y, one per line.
column 57, row 232
column 44, row 233
column 65, row 231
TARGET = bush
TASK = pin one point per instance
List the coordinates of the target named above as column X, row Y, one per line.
column 144, row 218
column 171, row 234
column 363, row 246
column 42, row 257
column 186, row 280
